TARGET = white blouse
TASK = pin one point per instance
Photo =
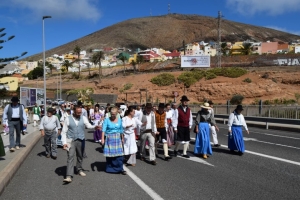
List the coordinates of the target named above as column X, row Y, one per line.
column 126, row 121
column 235, row 119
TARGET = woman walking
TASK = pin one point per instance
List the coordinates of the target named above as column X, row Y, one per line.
column 235, row 133
column 113, row 150
column 97, row 120
column 129, row 124
column 203, row 119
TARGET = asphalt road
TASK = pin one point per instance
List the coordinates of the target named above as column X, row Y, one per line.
column 270, row 169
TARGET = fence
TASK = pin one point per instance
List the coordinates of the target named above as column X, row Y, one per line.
column 287, row 112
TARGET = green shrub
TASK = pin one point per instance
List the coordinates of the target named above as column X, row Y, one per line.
column 187, row 78
column 164, row 79
column 127, row 86
column 247, row 80
column 237, row 99
column 210, row 75
column 234, row 72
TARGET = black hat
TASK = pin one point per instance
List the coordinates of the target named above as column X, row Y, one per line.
column 15, row 99
column 239, row 107
column 210, row 102
column 148, row 105
column 184, row 98
column 161, row 105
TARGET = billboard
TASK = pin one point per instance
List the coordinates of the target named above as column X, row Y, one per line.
column 195, row 61
column 30, row 96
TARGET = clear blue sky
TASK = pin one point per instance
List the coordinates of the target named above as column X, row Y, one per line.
column 73, row 19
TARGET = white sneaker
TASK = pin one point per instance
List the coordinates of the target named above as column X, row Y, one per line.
column 5, row 134
column 68, row 179
column 12, row 149
column 81, row 173
column 17, row 147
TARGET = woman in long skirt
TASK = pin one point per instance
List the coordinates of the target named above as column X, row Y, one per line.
column 129, row 125
column 112, row 129
column 2, row 150
column 97, row 120
column 203, row 119
column 235, row 133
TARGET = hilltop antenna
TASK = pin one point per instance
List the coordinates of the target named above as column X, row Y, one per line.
column 219, row 50
column 169, row 8
column 150, row 12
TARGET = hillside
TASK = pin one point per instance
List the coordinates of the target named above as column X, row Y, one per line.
column 280, row 83
column 168, row 32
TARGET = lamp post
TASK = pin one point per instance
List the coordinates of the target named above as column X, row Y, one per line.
column 45, row 101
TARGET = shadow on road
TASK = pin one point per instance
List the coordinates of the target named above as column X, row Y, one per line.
column 41, row 154
column 100, row 166
column 99, row 149
column 61, row 171
column 221, row 150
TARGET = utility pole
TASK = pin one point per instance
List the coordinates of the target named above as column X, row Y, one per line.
column 219, row 50
column 150, row 12
column 169, row 8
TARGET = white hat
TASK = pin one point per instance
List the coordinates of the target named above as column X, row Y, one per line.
column 206, row 106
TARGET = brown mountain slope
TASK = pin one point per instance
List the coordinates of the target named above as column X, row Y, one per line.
column 168, row 32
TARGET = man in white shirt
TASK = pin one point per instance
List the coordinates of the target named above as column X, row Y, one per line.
column 73, row 139
column 148, row 132
column 50, row 127
column 16, row 118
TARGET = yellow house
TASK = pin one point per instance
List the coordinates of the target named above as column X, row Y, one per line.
column 237, row 48
column 10, row 83
column 70, row 57
column 132, row 58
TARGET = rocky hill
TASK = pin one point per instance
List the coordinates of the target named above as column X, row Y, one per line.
column 168, row 32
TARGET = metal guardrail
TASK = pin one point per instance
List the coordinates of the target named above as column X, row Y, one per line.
column 265, row 120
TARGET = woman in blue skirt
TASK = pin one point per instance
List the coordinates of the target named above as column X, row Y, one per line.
column 112, row 129
column 235, row 133
column 203, row 119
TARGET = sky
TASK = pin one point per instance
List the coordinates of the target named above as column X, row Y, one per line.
column 73, row 19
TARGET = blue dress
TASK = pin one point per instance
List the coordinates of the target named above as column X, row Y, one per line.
column 202, row 143
column 236, row 140
column 113, row 148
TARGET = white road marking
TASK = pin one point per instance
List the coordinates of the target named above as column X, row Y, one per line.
column 143, row 185
column 282, row 145
column 250, row 139
column 266, row 156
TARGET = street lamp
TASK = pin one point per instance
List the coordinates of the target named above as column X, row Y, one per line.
column 45, row 101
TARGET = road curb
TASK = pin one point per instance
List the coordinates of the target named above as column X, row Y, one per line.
column 16, row 161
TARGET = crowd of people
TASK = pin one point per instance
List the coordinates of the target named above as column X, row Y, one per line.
column 119, row 132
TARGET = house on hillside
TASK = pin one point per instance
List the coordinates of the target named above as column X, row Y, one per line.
column 9, row 83
column 150, row 55
column 283, row 48
column 269, row 47
column 171, row 55
column 237, row 48
column 193, row 49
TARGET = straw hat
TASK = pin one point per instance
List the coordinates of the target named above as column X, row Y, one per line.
column 206, row 106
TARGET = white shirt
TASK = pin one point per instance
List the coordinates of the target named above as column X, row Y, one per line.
column 49, row 123
column 64, row 117
column 175, row 118
column 67, row 123
column 169, row 114
column 150, row 119
column 138, row 114
column 126, row 121
column 235, row 119
column 15, row 113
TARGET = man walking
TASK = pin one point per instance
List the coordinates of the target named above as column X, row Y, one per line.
column 73, row 139
column 16, row 118
column 182, row 123
column 50, row 127
column 148, row 132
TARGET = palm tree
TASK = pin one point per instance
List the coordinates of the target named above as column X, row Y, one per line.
column 139, row 59
column 247, row 48
column 67, row 64
column 134, row 65
column 96, row 59
column 51, row 67
column 76, row 51
column 123, row 57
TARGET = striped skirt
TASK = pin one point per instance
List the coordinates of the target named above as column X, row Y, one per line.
column 113, row 145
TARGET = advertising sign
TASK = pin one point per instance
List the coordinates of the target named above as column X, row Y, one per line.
column 30, row 96
column 195, row 61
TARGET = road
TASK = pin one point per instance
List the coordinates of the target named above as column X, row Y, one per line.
column 268, row 170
